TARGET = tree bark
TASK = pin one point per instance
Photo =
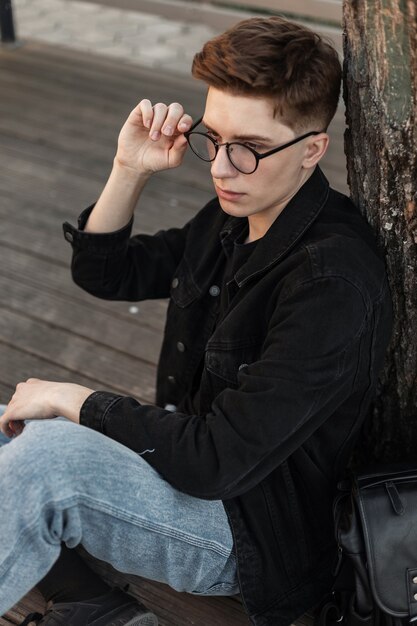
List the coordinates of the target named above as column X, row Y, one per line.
column 380, row 92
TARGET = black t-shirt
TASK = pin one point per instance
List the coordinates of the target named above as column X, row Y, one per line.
column 233, row 260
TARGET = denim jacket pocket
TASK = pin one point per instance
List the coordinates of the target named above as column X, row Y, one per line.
column 226, row 360
column 183, row 289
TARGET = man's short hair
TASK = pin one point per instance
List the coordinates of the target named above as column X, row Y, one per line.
column 275, row 58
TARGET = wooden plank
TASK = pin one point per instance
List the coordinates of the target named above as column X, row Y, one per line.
column 89, row 99
column 53, row 75
column 158, row 207
column 101, row 327
column 46, row 220
column 64, row 66
column 39, row 272
column 193, row 175
column 132, row 376
column 82, row 95
column 190, row 188
column 6, row 392
column 17, row 365
column 31, row 603
column 162, row 205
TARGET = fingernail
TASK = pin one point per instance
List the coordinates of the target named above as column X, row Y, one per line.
column 183, row 125
column 155, row 135
column 167, row 130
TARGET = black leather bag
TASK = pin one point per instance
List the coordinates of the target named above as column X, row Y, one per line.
column 375, row 516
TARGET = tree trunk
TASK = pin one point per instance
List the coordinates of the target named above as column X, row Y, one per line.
column 380, row 92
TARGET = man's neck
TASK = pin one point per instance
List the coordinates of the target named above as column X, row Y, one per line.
column 260, row 223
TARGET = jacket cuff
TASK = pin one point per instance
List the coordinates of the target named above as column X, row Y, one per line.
column 103, row 243
column 95, row 408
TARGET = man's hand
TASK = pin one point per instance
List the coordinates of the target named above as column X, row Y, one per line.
column 152, row 138
column 42, row 399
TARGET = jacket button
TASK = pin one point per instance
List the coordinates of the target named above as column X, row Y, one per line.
column 175, row 283
column 170, row 407
column 69, row 237
column 214, row 290
column 171, row 379
column 180, row 346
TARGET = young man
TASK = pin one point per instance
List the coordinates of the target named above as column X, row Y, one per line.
column 276, row 331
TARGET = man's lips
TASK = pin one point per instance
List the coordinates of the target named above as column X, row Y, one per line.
column 228, row 195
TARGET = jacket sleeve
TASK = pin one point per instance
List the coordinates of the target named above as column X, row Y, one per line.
column 306, row 370
column 116, row 266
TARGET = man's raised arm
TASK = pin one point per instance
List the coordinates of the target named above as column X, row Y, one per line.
column 151, row 140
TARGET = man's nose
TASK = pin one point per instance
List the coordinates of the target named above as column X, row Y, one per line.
column 221, row 167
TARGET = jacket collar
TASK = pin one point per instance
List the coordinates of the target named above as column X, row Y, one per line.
column 296, row 218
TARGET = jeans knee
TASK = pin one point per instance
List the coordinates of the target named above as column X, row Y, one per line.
column 55, row 433
column 45, row 480
column 41, row 454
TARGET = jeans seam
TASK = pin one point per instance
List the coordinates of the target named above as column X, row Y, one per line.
column 141, row 522
column 160, row 528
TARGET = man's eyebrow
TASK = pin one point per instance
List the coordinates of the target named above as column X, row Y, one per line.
column 240, row 137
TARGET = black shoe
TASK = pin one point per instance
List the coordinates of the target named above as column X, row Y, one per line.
column 115, row 608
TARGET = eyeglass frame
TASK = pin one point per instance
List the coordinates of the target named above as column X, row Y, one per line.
column 258, row 155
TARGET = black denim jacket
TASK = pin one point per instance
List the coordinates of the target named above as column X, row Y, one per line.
column 288, row 375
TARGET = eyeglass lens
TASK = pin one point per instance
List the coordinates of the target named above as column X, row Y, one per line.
column 240, row 156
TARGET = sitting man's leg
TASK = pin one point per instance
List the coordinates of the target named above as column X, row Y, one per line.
column 76, row 591
column 61, row 482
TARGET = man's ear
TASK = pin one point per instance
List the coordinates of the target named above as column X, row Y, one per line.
column 315, row 149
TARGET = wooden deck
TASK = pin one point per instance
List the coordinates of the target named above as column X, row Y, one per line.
column 60, row 112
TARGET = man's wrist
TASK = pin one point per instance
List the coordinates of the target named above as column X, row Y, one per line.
column 67, row 400
column 129, row 174
column 115, row 207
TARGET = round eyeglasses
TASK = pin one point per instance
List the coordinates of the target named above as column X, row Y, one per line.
column 243, row 158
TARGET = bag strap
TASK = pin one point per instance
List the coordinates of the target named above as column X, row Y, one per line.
column 334, row 608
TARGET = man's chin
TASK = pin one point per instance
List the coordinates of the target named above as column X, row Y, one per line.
column 233, row 208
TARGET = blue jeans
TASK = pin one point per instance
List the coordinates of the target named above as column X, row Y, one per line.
column 62, row 482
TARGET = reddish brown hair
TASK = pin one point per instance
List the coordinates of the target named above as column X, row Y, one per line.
column 278, row 59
